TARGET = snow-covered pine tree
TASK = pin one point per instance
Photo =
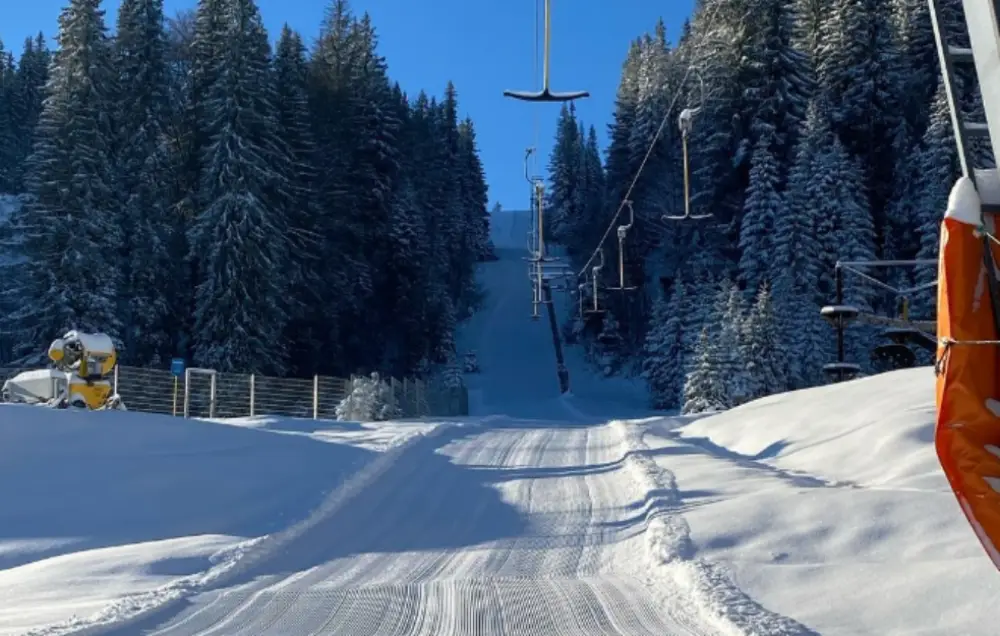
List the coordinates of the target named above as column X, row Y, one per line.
column 664, row 360
column 460, row 269
column 564, row 177
column 144, row 167
column 619, row 164
column 474, row 194
column 763, row 205
column 8, row 132
column 704, row 386
column 779, row 81
column 69, row 227
column 861, row 74
column 937, row 163
column 720, row 43
column 731, row 312
column 764, row 348
column 805, row 251
column 240, row 306
column 854, row 237
column 808, row 28
column 404, row 274
column 656, row 190
column 307, row 325
column 609, row 345
column 587, row 231
column 451, row 373
column 425, row 170
column 26, row 92
column 332, row 103
column 472, row 202
column 372, row 173
column 369, row 399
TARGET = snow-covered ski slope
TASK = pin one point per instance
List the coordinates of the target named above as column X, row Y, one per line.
column 816, row 512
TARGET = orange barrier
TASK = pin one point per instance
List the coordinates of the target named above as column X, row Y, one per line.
column 966, row 429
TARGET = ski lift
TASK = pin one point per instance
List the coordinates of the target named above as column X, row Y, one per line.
column 897, row 354
column 622, row 233
column 685, row 121
column 545, row 95
column 901, row 331
column 596, row 309
column 536, row 299
column 532, row 236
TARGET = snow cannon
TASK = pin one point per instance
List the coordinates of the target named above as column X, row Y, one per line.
column 82, row 366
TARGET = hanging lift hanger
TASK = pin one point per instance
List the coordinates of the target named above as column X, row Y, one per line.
column 685, row 121
column 595, row 277
column 546, row 95
column 622, row 233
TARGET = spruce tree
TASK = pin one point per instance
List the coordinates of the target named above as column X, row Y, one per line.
column 938, row 165
column 70, row 226
column 565, row 172
column 143, row 167
column 763, row 206
column 704, row 387
column 764, row 349
column 663, row 362
column 240, row 306
column 305, row 328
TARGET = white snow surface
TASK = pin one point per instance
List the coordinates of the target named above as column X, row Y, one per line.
column 815, row 512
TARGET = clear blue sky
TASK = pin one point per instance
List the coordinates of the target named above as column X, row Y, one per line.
column 484, row 46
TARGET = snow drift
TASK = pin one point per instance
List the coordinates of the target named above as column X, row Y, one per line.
column 815, row 499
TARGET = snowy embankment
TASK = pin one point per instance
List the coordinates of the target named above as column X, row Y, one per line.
column 828, row 506
column 109, row 514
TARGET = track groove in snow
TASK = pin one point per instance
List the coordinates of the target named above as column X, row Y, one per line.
column 709, row 590
column 512, row 531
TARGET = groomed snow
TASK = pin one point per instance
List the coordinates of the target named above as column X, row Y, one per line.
column 98, row 507
column 814, row 512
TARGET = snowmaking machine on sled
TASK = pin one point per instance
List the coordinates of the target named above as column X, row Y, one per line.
column 79, row 378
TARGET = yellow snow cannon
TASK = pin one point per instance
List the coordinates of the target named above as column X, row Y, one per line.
column 83, row 364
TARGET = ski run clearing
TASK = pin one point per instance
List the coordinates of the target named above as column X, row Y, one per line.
column 816, row 512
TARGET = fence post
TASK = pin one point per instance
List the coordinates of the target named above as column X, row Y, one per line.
column 316, row 397
column 253, row 392
column 211, row 398
column 187, row 392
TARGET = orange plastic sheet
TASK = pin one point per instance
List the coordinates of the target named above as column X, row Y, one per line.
column 967, row 431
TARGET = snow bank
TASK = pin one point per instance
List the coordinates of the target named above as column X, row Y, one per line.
column 810, row 501
column 101, row 506
column 872, row 432
column 676, row 571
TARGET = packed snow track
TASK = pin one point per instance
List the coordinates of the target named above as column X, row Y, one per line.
column 514, row 529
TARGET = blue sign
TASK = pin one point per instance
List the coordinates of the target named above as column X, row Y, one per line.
column 177, row 366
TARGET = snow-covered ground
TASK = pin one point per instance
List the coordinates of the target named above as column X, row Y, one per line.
column 828, row 505
column 815, row 512
column 108, row 506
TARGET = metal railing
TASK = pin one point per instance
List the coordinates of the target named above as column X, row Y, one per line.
column 212, row 394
